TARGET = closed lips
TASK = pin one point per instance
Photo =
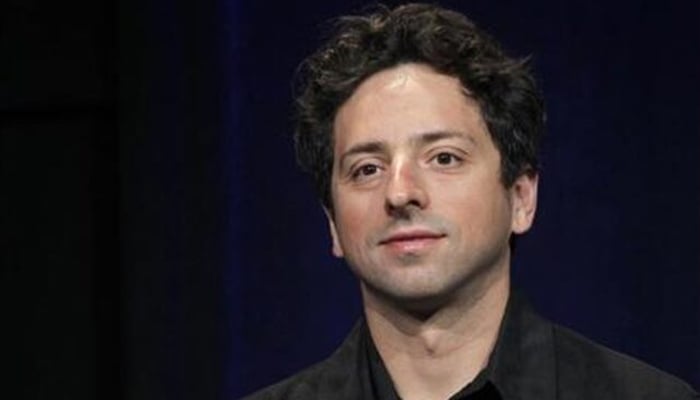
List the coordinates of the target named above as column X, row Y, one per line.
column 411, row 235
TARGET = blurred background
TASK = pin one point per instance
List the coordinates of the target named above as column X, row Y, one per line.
column 158, row 241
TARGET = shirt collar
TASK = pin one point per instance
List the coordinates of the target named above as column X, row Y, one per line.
column 522, row 365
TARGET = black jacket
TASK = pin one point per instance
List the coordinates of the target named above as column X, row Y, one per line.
column 534, row 359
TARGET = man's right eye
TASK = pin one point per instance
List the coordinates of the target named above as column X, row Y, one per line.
column 365, row 170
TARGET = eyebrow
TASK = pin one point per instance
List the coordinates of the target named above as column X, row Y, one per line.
column 431, row 137
column 420, row 139
column 361, row 148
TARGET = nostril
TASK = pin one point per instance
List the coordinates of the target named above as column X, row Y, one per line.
column 403, row 209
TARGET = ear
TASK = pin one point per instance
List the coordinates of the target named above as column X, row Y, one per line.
column 337, row 248
column 523, row 195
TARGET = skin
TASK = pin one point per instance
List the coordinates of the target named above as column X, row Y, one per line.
column 422, row 218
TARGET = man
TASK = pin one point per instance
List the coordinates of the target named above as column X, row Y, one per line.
column 422, row 139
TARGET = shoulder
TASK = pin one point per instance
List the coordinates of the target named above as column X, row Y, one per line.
column 588, row 369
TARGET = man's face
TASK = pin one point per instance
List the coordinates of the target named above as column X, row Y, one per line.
column 419, row 210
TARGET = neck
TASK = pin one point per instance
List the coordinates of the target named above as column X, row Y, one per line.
column 432, row 355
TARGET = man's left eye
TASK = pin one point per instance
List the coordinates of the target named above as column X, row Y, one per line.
column 446, row 158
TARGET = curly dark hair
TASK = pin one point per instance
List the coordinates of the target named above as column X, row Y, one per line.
column 447, row 41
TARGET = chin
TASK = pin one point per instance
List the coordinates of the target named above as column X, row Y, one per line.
column 422, row 306
column 412, row 298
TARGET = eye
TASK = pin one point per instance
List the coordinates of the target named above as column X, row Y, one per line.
column 446, row 159
column 365, row 171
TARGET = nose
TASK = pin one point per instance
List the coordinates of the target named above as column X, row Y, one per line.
column 405, row 190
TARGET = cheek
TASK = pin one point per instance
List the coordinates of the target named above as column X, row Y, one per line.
column 477, row 210
column 353, row 218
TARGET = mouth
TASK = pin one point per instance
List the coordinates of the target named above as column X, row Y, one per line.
column 414, row 240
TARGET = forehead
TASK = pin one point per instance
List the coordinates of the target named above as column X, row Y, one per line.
column 403, row 101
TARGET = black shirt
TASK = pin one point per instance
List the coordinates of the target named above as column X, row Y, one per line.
column 533, row 359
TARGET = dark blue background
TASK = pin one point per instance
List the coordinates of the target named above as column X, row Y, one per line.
column 160, row 243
